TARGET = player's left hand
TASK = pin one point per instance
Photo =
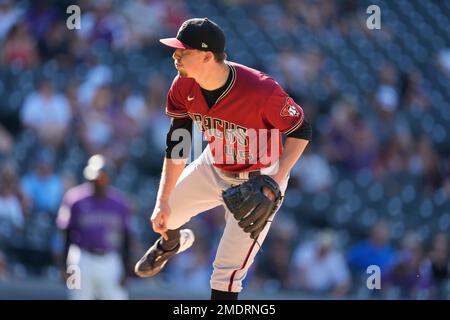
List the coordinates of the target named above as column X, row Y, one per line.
column 269, row 193
column 253, row 202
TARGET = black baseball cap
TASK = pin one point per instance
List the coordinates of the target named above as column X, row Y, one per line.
column 198, row 33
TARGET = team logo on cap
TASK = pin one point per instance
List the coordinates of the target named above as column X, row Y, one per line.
column 204, row 45
column 289, row 109
column 184, row 25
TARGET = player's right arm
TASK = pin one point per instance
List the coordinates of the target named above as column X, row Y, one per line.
column 171, row 171
column 178, row 142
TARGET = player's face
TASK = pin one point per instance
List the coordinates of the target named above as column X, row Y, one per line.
column 188, row 62
column 102, row 180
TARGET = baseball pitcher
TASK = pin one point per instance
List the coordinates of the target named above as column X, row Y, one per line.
column 243, row 114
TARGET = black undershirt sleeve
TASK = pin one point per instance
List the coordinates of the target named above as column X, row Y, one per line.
column 304, row 132
column 173, row 140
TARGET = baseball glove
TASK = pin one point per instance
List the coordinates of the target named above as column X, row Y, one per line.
column 250, row 206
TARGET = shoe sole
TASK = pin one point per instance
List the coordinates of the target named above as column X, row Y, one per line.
column 186, row 243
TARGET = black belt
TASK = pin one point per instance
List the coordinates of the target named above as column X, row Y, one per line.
column 242, row 175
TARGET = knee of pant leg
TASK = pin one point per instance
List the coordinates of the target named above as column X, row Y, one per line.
column 178, row 217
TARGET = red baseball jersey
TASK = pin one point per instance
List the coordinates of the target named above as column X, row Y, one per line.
column 244, row 126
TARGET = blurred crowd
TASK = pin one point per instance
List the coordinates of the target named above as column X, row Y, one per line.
column 373, row 187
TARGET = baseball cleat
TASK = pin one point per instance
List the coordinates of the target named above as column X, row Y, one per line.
column 155, row 258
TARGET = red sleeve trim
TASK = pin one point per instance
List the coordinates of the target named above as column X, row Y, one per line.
column 296, row 125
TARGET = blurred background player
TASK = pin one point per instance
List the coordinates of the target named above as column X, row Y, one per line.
column 95, row 220
column 320, row 266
